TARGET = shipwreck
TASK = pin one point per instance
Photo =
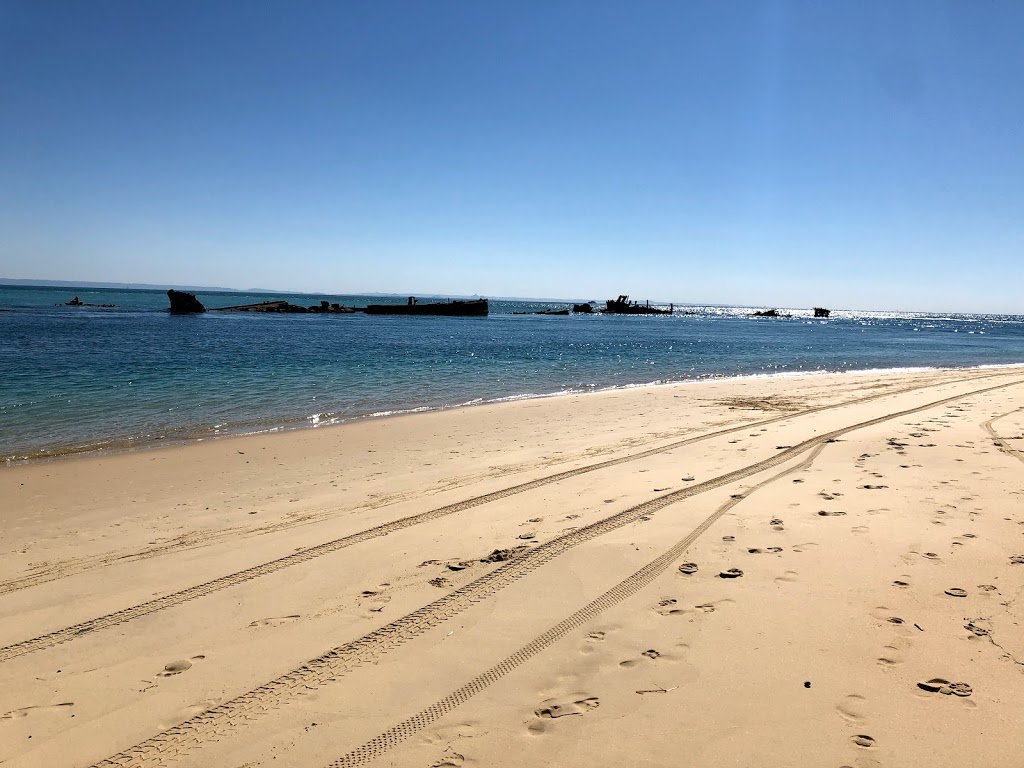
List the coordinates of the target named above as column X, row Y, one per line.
column 623, row 306
column 456, row 308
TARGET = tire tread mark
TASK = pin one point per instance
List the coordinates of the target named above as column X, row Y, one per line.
column 73, row 568
column 163, row 602
column 1000, row 442
column 214, row 723
column 629, row 586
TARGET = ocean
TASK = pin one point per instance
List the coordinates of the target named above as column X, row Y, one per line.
column 80, row 379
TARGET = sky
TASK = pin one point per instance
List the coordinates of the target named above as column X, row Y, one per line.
column 861, row 154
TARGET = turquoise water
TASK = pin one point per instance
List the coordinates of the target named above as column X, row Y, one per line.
column 80, row 378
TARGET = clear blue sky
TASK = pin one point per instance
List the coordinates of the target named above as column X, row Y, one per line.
column 845, row 153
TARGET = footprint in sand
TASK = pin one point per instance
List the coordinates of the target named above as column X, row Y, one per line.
column 934, row 557
column 787, row 578
column 771, row 550
column 977, row 630
column 16, row 714
column 1016, row 559
column 901, row 583
column 730, row 573
column 864, row 741
column 945, row 687
column 881, row 613
column 851, row 708
column 728, row 538
column 552, row 709
column 988, row 587
column 688, row 569
column 860, row 529
column 803, row 547
column 873, row 487
column 667, row 606
column 776, row 524
column 889, row 660
column 956, row 592
column 893, row 652
column 831, row 513
column 596, row 637
column 711, row 607
column 649, row 654
column 555, row 708
column 177, row 667
column 451, row 759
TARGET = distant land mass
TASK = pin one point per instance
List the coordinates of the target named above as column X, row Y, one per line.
column 116, row 286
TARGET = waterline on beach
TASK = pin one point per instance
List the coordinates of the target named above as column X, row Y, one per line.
column 81, row 379
column 184, row 436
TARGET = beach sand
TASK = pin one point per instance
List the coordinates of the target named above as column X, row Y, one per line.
column 501, row 585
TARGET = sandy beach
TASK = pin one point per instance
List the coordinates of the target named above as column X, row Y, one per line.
column 779, row 571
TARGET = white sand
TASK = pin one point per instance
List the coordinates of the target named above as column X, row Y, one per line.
column 587, row 647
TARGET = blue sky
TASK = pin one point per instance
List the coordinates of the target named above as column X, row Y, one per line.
column 850, row 154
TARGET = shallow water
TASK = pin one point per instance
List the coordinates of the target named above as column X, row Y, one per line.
column 80, row 378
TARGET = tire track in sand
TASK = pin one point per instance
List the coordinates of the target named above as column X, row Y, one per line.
column 997, row 440
column 74, row 631
column 626, row 588
column 57, row 571
column 61, row 570
column 218, row 721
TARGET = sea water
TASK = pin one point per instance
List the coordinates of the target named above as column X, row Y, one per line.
column 86, row 378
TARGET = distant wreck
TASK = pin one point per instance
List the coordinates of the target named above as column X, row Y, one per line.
column 77, row 302
column 623, row 306
column 457, row 308
column 818, row 312
column 183, row 303
column 545, row 312
column 325, row 307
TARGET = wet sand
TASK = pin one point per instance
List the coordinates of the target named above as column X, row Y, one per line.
column 805, row 571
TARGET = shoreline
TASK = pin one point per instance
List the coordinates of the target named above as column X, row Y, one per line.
column 129, row 445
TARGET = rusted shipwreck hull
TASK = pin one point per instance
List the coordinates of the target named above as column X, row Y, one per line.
column 623, row 306
column 470, row 308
